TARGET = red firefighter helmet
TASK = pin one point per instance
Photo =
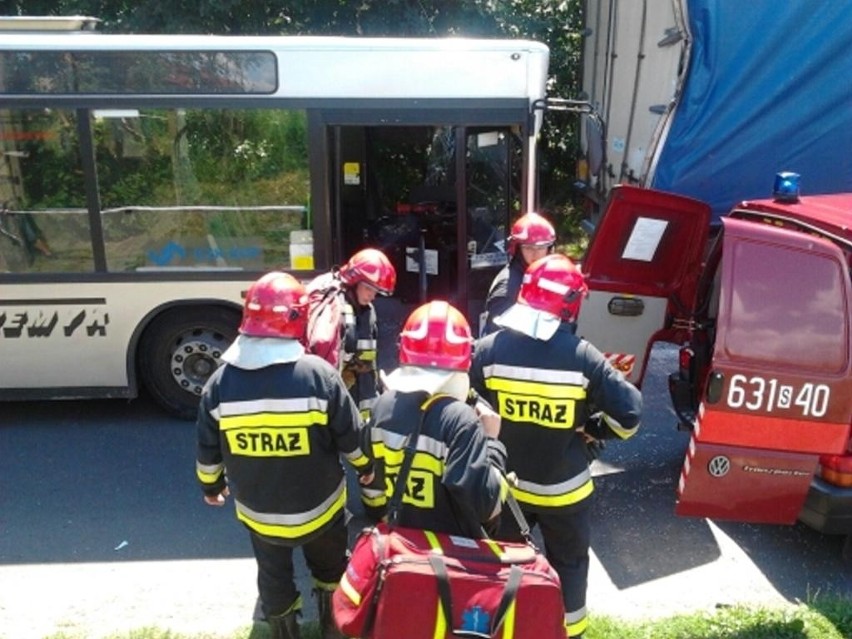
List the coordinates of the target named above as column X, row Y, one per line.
column 436, row 335
column 372, row 267
column 531, row 229
column 555, row 285
column 276, row 305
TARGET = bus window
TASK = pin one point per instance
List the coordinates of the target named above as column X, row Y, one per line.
column 43, row 223
column 190, row 188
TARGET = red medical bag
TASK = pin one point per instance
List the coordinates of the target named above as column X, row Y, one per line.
column 403, row 583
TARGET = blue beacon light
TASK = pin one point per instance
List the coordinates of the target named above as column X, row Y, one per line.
column 786, row 187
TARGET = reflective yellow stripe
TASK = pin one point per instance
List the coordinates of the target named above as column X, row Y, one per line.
column 509, row 621
column 358, row 461
column 292, row 532
column 296, row 605
column 617, row 428
column 537, row 389
column 576, row 629
column 504, row 488
column 328, row 586
column 431, row 400
column 422, row 461
column 375, row 502
column 389, row 440
column 531, row 374
column 434, row 544
column 565, row 499
column 440, row 623
column 307, row 418
column 208, row 479
column 494, row 546
column 271, row 405
column 207, row 475
column 353, row 595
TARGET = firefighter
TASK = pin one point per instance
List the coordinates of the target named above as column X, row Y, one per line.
column 368, row 273
column 532, row 237
column 272, row 423
column 456, row 479
column 545, row 383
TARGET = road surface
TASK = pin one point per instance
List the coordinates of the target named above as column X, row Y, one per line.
column 103, row 530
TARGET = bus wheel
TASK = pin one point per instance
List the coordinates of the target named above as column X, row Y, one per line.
column 179, row 350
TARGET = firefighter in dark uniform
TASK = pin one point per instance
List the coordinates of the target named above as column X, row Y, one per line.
column 272, row 424
column 367, row 273
column 545, row 383
column 456, row 480
column 532, row 237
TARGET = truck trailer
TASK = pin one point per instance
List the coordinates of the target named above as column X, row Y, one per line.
column 706, row 98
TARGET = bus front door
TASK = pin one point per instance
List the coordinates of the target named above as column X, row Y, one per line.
column 401, row 189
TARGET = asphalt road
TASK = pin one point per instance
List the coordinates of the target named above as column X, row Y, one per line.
column 102, row 529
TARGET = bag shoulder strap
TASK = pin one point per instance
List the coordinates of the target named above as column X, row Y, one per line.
column 395, row 503
column 523, row 525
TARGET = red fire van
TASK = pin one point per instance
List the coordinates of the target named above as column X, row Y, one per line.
column 762, row 311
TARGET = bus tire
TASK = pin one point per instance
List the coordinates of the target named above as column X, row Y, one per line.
column 180, row 349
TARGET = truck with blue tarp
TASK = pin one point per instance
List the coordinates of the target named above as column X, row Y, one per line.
column 706, row 98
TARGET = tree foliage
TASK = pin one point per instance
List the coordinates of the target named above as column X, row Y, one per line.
column 557, row 23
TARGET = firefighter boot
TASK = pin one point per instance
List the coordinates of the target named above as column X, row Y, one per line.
column 284, row 626
column 328, row 629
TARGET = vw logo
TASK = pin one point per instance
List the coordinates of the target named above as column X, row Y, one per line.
column 719, row 466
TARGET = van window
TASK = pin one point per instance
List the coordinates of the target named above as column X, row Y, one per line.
column 787, row 307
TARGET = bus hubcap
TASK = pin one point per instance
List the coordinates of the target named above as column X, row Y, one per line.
column 197, row 355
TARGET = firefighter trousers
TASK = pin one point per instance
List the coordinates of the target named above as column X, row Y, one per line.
column 567, row 535
column 325, row 556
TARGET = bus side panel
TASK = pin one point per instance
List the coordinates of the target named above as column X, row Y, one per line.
column 48, row 330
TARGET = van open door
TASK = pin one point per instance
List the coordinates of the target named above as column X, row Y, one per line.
column 779, row 388
column 642, row 267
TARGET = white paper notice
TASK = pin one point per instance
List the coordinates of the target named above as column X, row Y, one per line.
column 412, row 265
column 644, row 239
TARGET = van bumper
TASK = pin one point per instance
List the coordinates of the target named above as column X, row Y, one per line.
column 828, row 508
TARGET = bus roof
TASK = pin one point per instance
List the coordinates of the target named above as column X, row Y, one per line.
column 88, row 40
column 338, row 66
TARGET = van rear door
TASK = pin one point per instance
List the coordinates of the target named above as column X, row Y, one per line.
column 779, row 392
column 642, row 268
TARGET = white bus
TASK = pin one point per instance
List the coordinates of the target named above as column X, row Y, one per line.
column 147, row 179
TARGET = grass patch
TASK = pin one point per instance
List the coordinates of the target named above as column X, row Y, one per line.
column 825, row 617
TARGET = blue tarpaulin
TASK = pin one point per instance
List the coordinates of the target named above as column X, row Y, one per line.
column 769, row 89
